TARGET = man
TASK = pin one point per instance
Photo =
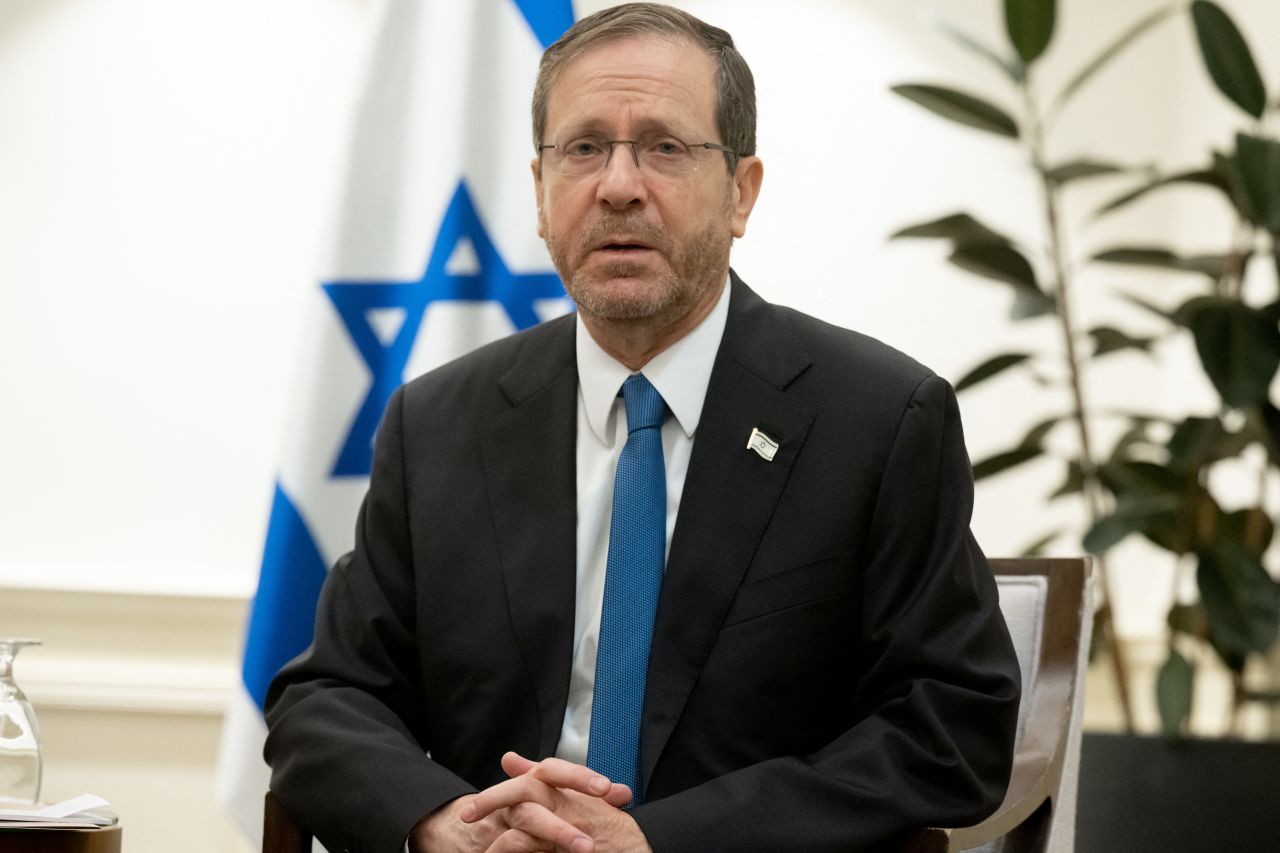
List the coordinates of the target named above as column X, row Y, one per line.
column 770, row 630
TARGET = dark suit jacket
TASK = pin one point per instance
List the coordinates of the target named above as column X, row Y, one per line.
column 829, row 666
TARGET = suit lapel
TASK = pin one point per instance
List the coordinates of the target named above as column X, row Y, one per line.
column 729, row 497
column 530, row 472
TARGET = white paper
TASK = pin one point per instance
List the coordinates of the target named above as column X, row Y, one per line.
column 57, row 811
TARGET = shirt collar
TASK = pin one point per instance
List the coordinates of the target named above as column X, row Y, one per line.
column 681, row 372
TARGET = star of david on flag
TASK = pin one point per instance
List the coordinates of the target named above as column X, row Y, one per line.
column 489, row 280
column 435, row 252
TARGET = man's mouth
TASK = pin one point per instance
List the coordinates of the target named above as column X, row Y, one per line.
column 624, row 247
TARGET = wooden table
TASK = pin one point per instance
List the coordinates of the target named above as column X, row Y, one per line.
column 105, row 840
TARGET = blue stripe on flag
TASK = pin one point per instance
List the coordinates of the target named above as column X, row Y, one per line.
column 284, row 610
column 547, row 18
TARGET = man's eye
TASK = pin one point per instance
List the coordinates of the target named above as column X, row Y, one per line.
column 666, row 148
column 583, row 148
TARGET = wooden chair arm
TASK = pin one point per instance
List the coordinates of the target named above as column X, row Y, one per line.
column 1041, row 753
column 1030, row 784
column 280, row 832
column 1036, row 768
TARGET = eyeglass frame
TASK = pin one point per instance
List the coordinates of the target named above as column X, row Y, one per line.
column 635, row 155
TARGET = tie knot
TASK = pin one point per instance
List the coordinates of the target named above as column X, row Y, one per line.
column 645, row 407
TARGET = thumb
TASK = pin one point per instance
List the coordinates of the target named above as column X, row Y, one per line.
column 514, row 764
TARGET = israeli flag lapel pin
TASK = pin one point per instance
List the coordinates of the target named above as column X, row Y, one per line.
column 762, row 444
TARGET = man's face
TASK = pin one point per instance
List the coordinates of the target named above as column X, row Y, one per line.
column 629, row 244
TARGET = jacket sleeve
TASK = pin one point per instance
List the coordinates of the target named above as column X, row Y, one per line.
column 931, row 742
column 346, row 742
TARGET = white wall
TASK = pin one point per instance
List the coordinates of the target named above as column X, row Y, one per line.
column 166, row 169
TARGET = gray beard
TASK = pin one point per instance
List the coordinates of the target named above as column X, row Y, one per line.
column 699, row 267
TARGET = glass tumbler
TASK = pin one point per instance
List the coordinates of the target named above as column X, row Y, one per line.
column 20, row 761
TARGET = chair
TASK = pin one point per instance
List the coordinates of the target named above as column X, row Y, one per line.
column 280, row 832
column 1048, row 605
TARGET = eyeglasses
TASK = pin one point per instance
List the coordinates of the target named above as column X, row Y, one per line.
column 664, row 156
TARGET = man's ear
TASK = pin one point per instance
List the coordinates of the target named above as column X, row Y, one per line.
column 535, row 166
column 746, row 189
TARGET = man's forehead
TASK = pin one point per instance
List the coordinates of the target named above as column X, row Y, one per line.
column 655, row 76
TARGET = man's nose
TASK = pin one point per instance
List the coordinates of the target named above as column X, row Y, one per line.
column 622, row 183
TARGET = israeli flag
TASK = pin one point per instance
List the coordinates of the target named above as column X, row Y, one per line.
column 435, row 252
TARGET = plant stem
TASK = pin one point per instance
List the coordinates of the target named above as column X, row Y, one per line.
column 1237, row 699
column 1094, row 495
column 1275, row 256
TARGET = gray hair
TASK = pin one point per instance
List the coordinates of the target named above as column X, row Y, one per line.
column 734, row 86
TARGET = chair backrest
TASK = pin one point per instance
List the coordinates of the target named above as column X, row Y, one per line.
column 1048, row 606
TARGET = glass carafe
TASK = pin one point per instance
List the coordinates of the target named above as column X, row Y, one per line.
column 20, row 762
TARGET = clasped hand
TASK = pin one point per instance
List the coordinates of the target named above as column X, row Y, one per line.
column 549, row 805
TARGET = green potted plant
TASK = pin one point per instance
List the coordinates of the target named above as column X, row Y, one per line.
column 1153, row 480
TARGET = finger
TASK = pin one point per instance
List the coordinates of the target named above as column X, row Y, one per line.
column 619, row 795
column 542, row 823
column 560, row 774
column 505, row 794
column 515, row 841
column 515, row 764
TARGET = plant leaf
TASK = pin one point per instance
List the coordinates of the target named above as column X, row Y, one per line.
column 1108, row 339
column 1149, row 307
column 1141, row 478
column 960, row 227
column 1146, row 256
column 1228, row 58
column 1110, row 52
column 989, row 368
column 1131, row 515
column 1031, row 303
column 1036, row 435
column 1271, row 311
column 1193, row 443
column 1184, row 313
column 1030, row 26
column 1081, row 169
column 999, row 262
column 1000, row 462
column 1238, row 348
column 1242, row 600
column 960, row 107
column 1013, row 66
column 1008, row 265
column 1108, row 531
column 1202, row 177
column 1175, row 685
column 1227, row 168
column 1251, row 529
column 1214, row 266
column 1072, row 484
column 1270, row 417
column 1258, row 160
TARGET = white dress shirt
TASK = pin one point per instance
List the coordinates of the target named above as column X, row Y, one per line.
column 681, row 374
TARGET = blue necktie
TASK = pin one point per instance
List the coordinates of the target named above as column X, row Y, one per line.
column 632, row 581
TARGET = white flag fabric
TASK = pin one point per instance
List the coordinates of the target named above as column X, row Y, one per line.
column 435, row 252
